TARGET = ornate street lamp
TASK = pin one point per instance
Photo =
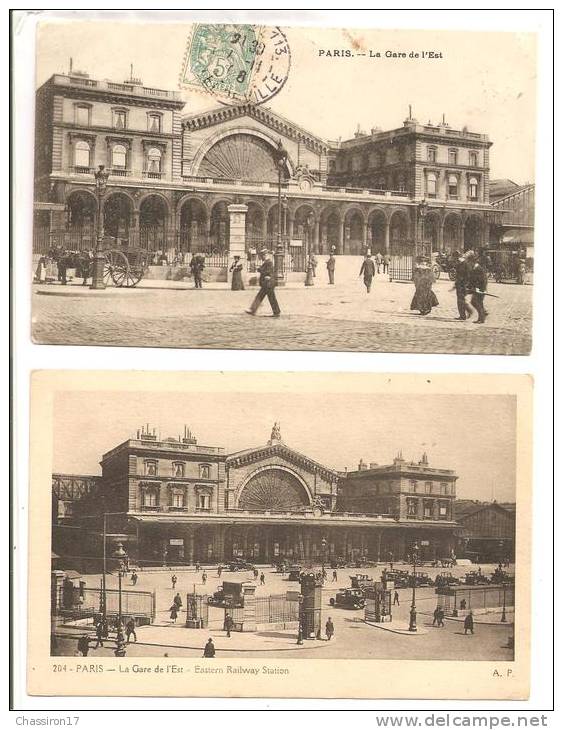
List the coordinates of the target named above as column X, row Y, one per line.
column 503, row 617
column 280, row 156
column 309, row 222
column 422, row 212
column 412, row 619
column 101, row 178
column 120, row 554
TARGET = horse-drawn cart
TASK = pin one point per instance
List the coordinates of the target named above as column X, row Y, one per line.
column 125, row 267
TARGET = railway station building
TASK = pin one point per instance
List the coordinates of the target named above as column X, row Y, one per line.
column 174, row 501
column 182, row 182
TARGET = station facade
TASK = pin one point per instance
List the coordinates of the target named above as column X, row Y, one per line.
column 173, row 501
column 177, row 179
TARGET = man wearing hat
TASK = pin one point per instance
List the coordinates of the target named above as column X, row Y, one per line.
column 478, row 286
column 462, row 271
column 267, row 283
column 368, row 270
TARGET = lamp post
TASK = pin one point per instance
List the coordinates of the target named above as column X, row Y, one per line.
column 120, row 554
column 323, row 555
column 412, row 618
column 309, row 222
column 503, row 617
column 101, row 178
column 422, row 212
column 281, row 160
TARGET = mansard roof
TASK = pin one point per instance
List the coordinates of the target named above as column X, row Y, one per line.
column 249, row 456
column 263, row 114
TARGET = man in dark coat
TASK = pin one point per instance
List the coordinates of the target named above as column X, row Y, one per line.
column 462, row 272
column 468, row 623
column 330, row 266
column 197, row 264
column 84, row 644
column 368, row 270
column 229, row 623
column 267, row 283
column 478, row 287
column 329, row 629
column 209, row 649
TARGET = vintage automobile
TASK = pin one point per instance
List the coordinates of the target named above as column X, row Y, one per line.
column 361, row 581
column 238, row 564
column 338, row 563
column 294, row 572
column 282, row 566
column 349, row 598
column 501, row 576
column 229, row 595
column 474, row 578
column 422, row 579
column 446, row 579
column 399, row 577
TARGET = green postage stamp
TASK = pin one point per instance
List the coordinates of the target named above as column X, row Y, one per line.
column 236, row 63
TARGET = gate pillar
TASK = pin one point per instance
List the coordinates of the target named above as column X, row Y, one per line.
column 249, row 608
column 237, row 234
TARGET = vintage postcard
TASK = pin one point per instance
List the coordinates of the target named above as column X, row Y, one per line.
column 221, row 536
column 375, row 186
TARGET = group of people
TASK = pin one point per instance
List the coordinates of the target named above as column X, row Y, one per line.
column 80, row 261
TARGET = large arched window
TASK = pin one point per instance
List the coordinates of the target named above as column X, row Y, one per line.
column 119, row 157
column 154, row 159
column 431, row 185
column 82, row 154
column 453, row 186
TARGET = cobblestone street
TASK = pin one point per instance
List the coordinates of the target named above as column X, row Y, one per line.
column 340, row 318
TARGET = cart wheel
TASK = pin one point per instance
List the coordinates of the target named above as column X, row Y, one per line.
column 134, row 275
column 120, row 269
column 451, row 274
column 436, row 270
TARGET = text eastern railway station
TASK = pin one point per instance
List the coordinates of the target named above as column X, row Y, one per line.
column 173, row 501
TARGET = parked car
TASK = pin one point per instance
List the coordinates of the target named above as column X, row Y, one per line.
column 422, row 579
column 399, row 577
column 294, row 572
column 501, row 576
column 361, row 581
column 338, row 563
column 446, row 579
column 474, row 578
column 229, row 595
column 349, row 598
column 238, row 564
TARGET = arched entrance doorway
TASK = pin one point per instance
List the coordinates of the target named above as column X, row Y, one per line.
column 399, row 230
column 153, row 215
column 219, row 228
column 377, row 224
column 452, row 233
column 274, row 489
column 255, row 227
column 304, row 223
column 330, row 231
column 431, row 231
column 81, row 208
column 118, row 211
column 354, row 243
column 472, row 233
column 193, row 226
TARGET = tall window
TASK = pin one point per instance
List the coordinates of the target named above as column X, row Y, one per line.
column 204, row 471
column 432, row 154
column 474, row 159
column 443, row 510
column 203, row 501
column 453, row 186
column 427, row 487
column 473, row 188
column 428, row 509
column 178, row 499
column 82, row 114
column 178, row 470
column 413, row 485
column 154, row 158
column 452, row 157
column 401, row 184
column 82, row 154
column 119, row 118
column 154, row 122
column 119, row 157
column 411, row 507
column 150, row 468
column 431, row 185
column 149, row 498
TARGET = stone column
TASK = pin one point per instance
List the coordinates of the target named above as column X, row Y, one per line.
column 340, row 242
column 237, row 234
column 367, row 242
column 317, row 238
column 189, row 541
column 134, row 236
column 249, row 608
column 219, row 543
column 290, row 224
column 441, row 236
column 387, row 235
column 267, row 548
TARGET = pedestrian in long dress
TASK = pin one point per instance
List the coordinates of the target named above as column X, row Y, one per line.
column 368, row 270
column 41, row 270
column 174, row 612
column 424, row 298
column 237, row 283
column 267, row 283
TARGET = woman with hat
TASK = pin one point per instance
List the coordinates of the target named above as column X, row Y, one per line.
column 236, row 270
column 424, row 298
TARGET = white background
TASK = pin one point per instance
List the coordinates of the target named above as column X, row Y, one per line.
column 28, row 357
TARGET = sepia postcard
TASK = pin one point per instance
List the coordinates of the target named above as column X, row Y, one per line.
column 313, row 535
column 375, row 186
